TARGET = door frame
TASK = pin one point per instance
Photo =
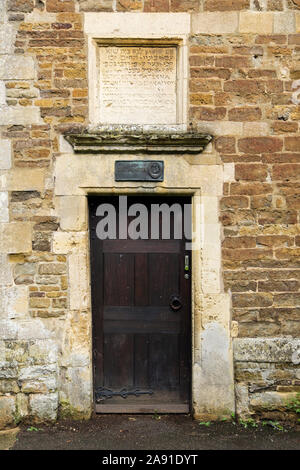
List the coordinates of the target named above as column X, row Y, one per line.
column 202, row 178
column 145, row 409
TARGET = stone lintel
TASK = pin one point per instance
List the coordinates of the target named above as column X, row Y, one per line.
column 93, row 142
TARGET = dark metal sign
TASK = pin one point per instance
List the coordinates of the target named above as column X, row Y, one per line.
column 139, row 170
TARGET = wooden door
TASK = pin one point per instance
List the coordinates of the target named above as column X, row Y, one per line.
column 141, row 315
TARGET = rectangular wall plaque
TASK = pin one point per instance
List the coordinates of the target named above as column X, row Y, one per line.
column 137, row 84
column 139, row 170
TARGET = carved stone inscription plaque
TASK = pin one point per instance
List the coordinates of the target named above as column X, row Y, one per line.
column 137, row 85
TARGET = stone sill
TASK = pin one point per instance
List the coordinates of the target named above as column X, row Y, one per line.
column 139, row 141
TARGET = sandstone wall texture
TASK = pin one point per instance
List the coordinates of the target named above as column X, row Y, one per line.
column 244, row 89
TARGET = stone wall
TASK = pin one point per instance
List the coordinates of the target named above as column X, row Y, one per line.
column 244, row 75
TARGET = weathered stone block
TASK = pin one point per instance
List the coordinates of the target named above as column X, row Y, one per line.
column 37, row 372
column 214, row 22
column 265, row 349
column 21, row 406
column 5, row 153
column 72, row 212
column 40, row 385
column 43, row 407
column 4, row 211
column 15, row 115
column 13, row 67
column 43, row 352
column 256, row 22
column 68, row 242
column 8, row 329
column 75, row 394
column 78, row 279
column 8, row 386
column 15, row 237
column 7, row 411
column 96, row 5
column 24, row 273
column 5, row 271
column 284, row 22
column 270, row 400
column 33, row 330
column 137, row 26
column 7, row 37
column 23, row 179
column 38, row 302
column 13, row 301
column 242, row 400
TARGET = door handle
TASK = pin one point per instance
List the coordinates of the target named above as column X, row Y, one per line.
column 175, row 303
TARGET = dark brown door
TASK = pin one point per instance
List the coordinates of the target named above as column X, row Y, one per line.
column 141, row 311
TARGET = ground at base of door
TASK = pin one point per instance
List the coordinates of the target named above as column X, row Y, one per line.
column 156, row 432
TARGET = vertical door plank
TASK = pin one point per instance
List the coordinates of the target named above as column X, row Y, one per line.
column 141, row 361
column 118, row 361
column 119, row 279
column 141, row 282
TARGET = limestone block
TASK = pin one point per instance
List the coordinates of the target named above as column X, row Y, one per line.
column 43, row 352
column 215, row 308
column 64, row 146
column 24, row 273
column 39, row 385
column 14, row 115
column 220, row 128
column 23, row 179
column 16, row 67
column 7, row 37
column 242, row 400
column 15, row 237
column 229, row 172
column 269, row 400
column 5, row 154
column 68, row 242
column 40, row 16
column 297, row 17
column 256, row 22
column 13, row 302
column 75, row 393
column 211, row 242
column 38, row 372
column 211, row 398
column 74, row 175
column 7, row 411
column 78, row 279
column 72, row 212
column 8, row 329
column 256, row 129
column 4, row 213
column 33, row 329
column 210, row 208
column 2, row 352
column 278, row 350
column 2, row 94
column 17, row 354
column 2, row 11
column 21, row 405
column 284, row 22
column 8, row 386
column 215, row 22
column 209, row 178
column 211, row 281
column 44, row 407
column 5, row 271
column 131, row 25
